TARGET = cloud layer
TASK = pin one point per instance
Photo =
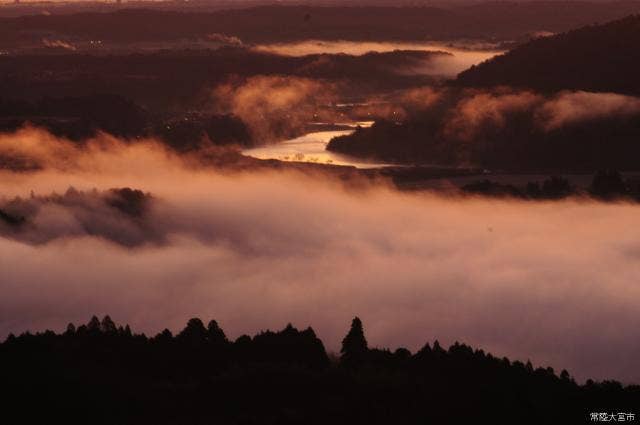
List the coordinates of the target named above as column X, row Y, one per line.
column 552, row 282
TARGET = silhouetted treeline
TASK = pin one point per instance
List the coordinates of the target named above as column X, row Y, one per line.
column 192, row 131
column 120, row 215
column 76, row 118
column 595, row 58
column 606, row 185
column 554, row 187
column 80, row 118
column 104, row 373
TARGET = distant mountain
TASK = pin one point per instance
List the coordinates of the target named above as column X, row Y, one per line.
column 489, row 20
column 603, row 58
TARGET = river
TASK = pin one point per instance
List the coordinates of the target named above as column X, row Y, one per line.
column 312, row 147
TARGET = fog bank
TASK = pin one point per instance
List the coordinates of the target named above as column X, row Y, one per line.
column 556, row 283
column 463, row 54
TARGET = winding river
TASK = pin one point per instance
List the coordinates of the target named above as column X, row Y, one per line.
column 311, row 147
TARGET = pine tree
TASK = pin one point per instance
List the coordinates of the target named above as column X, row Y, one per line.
column 194, row 332
column 94, row 325
column 354, row 345
column 215, row 334
column 108, row 326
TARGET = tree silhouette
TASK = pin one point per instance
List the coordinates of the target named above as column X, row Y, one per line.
column 94, row 325
column 215, row 334
column 155, row 380
column 108, row 326
column 194, row 332
column 608, row 184
column 71, row 329
column 354, row 345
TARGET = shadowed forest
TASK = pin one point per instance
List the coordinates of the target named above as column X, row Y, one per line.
column 575, row 64
column 108, row 374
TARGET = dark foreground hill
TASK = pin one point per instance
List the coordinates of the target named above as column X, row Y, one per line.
column 594, row 58
column 100, row 373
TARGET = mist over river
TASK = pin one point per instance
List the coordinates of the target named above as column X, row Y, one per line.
column 311, row 147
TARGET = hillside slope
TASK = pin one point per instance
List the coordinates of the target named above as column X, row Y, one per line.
column 604, row 58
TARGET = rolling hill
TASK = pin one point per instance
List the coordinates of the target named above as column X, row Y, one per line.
column 603, row 58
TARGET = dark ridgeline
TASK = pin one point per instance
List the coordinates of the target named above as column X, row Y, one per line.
column 83, row 117
column 606, row 185
column 603, row 58
column 555, row 187
column 101, row 373
column 333, row 20
column 174, row 78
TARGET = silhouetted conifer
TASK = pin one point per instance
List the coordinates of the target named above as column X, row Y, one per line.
column 71, row 329
column 194, row 332
column 93, row 325
column 108, row 326
column 164, row 337
column 354, row 345
column 215, row 334
column 402, row 353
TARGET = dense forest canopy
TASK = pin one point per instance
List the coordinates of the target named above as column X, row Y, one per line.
column 108, row 373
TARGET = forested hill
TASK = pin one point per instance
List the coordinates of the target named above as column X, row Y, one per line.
column 603, row 58
column 101, row 373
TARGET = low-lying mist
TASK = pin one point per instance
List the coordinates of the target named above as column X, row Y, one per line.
column 502, row 128
column 553, row 282
column 462, row 54
column 274, row 107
